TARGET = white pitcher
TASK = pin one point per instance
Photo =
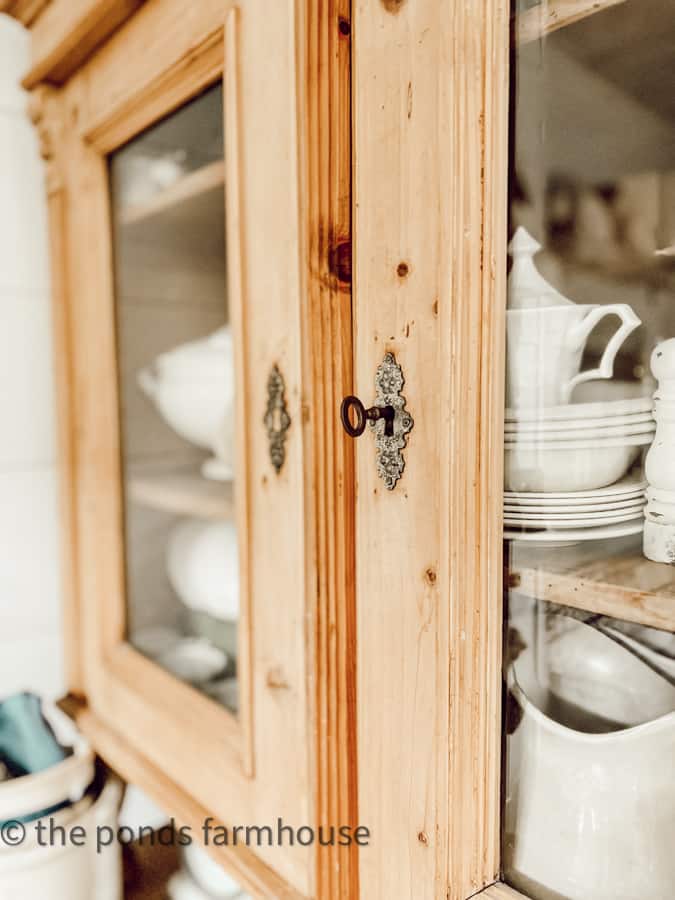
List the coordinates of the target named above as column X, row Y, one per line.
column 589, row 815
column 547, row 334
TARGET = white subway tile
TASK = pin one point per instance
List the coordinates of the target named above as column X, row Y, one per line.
column 33, row 663
column 14, row 61
column 23, row 212
column 30, row 583
column 27, row 414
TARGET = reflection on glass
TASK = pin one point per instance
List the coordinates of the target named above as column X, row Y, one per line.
column 176, row 376
column 590, row 720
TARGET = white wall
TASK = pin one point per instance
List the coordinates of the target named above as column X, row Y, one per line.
column 30, row 616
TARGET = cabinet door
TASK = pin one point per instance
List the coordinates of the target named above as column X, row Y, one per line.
column 589, row 719
column 190, row 467
column 550, row 775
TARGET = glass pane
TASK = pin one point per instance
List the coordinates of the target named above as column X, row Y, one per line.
column 589, row 794
column 176, row 385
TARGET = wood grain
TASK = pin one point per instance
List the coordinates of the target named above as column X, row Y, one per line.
column 67, row 32
column 239, row 861
column 611, row 578
column 26, row 11
column 431, row 89
column 500, row 891
column 550, row 15
column 152, row 714
column 324, row 84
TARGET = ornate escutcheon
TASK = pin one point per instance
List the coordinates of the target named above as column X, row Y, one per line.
column 388, row 418
column 277, row 420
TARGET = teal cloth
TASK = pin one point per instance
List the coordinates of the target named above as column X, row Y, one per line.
column 27, row 743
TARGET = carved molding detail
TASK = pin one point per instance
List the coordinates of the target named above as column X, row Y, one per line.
column 43, row 113
column 26, row 11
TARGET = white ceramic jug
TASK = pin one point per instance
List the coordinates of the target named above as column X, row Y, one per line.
column 547, row 333
column 192, row 387
column 589, row 815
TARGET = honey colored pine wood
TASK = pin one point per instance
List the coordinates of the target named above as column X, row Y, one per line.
column 609, row 578
column 325, row 116
column 204, row 184
column 26, row 11
column 66, row 32
column 239, row 861
column 500, row 891
column 550, row 15
column 431, row 88
column 156, row 715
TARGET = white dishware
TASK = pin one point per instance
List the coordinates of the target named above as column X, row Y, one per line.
column 565, row 536
column 598, row 676
column 588, row 815
column 209, row 875
column 589, row 424
column 570, row 522
column 555, row 509
column 573, row 466
column 592, row 400
column 182, row 886
column 193, row 660
column 630, row 485
column 659, row 534
column 203, row 566
column 546, row 334
column 527, row 435
column 192, row 387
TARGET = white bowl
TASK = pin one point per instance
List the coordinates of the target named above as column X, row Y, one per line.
column 194, row 660
column 593, row 673
column 203, row 566
column 571, row 466
column 211, row 877
column 192, row 387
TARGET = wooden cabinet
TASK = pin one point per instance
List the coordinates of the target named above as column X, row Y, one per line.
column 328, row 190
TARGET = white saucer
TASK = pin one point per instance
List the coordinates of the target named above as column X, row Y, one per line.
column 565, row 424
column 629, row 486
column 216, row 470
column 557, row 509
column 603, row 409
column 560, row 522
column 563, row 536
column 647, row 426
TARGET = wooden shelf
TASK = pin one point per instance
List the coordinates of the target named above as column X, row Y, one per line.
column 188, row 192
column 611, row 578
column 188, row 217
column 184, row 492
column 547, row 17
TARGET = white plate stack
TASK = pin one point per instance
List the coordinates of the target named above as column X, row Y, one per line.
column 566, row 469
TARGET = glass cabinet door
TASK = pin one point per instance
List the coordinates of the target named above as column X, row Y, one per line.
column 589, row 506
column 177, row 391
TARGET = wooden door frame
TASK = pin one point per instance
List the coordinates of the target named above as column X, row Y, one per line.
column 431, row 100
column 63, row 117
